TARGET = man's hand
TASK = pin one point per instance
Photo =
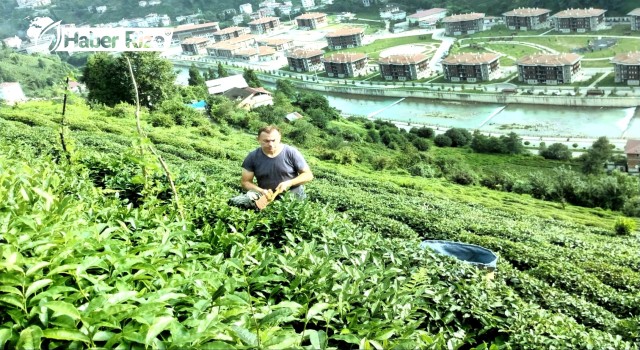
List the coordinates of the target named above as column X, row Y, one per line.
column 283, row 186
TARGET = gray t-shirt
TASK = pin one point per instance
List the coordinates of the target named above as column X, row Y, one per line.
column 270, row 172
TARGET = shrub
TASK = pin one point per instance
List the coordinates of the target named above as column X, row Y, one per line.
column 459, row 137
column 557, row 151
column 423, row 132
column 423, row 170
column 463, row 176
column 443, row 141
column 159, row 119
column 421, row 144
column 624, row 226
column 632, row 207
column 381, row 163
column 123, row 110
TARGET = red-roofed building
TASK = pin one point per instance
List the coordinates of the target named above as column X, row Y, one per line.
column 256, row 54
column 194, row 46
column 249, row 98
column 464, row 24
column 229, row 33
column 305, row 60
column 471, row 67
column 264, row 25
column 632, row 151
column 276, row 44
column 312, row 20
column 427, row 18
column 185, row 31
column 228, row 48
column 345, row 65
column 527, row 19
column 579, row 20
column 550, row 69
column 626, row 68
column 345, row 38
column 404, row 67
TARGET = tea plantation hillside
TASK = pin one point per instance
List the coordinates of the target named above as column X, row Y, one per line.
column 94, row 251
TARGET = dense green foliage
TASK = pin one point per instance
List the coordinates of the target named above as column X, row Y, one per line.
column 109, row 81
column 93, row 253
column 39, row 75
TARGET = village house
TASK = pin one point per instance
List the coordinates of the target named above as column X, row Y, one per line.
column 206, row 30
column 404, row 67
column 387, row 10
column 632, row 151
column 312, row 20
column 527, row 19
column 398, row 15
column 246, row 8
column 634, row 17
column 33, row 3
column 467, row 23
column 278, row 44
column 221, row 85
column 550, row 69
column 249, row 98
column 13, row 42
column 579, row 20
column 471, row 67
column 228, row 48
column 11, row 93
column 345, row 38
column 194, row 46
column 626, row 68
column 264, row 25
column 229, row 33
column 307, row 4
column 305, row 60
column 345, row 65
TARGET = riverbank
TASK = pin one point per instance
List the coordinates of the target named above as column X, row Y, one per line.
column 492, row 93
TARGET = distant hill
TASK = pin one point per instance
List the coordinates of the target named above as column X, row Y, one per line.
column 39, row 75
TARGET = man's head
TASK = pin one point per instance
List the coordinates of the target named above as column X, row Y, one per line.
column 269, row 139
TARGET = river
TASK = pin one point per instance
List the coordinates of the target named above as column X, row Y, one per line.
column 531, row 120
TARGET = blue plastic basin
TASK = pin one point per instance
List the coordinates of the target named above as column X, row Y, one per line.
column 468, row 253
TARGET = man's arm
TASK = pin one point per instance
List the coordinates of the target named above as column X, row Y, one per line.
column 305, row 175
column 247, row 182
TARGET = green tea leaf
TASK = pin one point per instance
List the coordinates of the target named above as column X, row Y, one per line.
column 245, row 335
column 37, row 267
column 63, row 308
column 12, row 290
column 316, row 309
column 275, row 317
column 12, row 300
column 159, row 325
column 30, row 338
column 47, row 197
column 5, row 335
column 65, row 334
column 37, row 285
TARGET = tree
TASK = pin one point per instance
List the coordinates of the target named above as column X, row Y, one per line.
column 287, row 88
column 195, row 78
column 595, row 158
column 442, row 141
column 423, row 132
column 459, row 137
column 103, row 78
column 109, row 81
column 222, row 72
column 557, row 151
column 512, row 143
column 210, row 74
column 251, row 78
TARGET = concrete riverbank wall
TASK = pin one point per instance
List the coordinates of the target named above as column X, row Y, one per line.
column 457, row 96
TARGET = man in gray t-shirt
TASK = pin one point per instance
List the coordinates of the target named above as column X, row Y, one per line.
column 276, row 167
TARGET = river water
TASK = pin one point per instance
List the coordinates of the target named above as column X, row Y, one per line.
column 532, row 120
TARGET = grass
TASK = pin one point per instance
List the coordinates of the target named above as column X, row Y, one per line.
column 374, row 49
